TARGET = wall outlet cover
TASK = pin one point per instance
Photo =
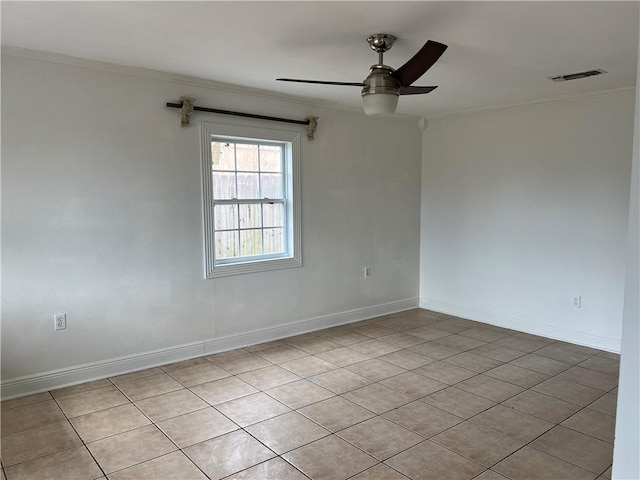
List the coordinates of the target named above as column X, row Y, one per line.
column 60, row 321
column 577, row 301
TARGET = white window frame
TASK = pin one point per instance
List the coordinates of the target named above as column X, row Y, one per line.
column 291, row 171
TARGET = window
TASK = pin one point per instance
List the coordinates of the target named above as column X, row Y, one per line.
column 251, row 199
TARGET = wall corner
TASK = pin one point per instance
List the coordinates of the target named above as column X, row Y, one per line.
column 423, row 123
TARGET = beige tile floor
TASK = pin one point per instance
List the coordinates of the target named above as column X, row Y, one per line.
column 416, row 395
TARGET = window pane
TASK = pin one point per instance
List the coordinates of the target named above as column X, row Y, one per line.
column 250, row 216
column 227, row 244
column 226, row 217
column 270, row 158
column 250, row 242
column 248, row 186
column 271, row 185
column 273, row 214
column 222, row 156
column 224, row 185
column 274, row 240
column 247, row 157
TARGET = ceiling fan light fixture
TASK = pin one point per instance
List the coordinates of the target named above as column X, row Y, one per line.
column 380, row 103
column 381, row 91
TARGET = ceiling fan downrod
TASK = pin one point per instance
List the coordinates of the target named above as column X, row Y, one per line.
column 380, row 43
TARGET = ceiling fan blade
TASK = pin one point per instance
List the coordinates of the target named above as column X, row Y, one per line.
column 415, row 90
column 348, row 84
column 419, row 63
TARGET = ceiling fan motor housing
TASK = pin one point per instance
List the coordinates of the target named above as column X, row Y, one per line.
column 381, row 81
column 381, row 91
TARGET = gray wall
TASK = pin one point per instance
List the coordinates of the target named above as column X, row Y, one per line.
column 101, row 212
column 525, row 208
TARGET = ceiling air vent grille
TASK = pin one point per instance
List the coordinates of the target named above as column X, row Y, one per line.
column 575, row 76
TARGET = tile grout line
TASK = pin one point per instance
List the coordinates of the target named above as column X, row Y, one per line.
column 501, row 403
column 334, row 433
column 277, row 455
column 80, row 437
column 330, row 432
column 470, row 418
column 152, row 423
column 526, row 444
column 239, row 428
column 244, row 429
column 555, row 425
column 160, row 430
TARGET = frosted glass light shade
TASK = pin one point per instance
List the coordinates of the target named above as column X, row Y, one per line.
column 379, row 103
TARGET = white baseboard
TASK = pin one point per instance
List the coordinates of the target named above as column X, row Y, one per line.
column 42, row 382
column 565, row 335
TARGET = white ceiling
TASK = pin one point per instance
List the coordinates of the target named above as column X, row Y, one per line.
column 500, row 53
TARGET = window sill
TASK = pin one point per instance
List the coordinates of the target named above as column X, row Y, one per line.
column 253, row 267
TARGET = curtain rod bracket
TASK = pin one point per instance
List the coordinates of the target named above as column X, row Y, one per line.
column 187, row 107
column 311, row 128
column 186, row 110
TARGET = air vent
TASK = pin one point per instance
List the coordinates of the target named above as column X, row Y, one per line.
column 575, row 76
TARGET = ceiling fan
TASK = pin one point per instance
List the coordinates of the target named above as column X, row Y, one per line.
column 384, row 84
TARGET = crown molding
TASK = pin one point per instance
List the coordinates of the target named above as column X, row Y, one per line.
column 534, row 103
column 179, row 79
column 175, row 78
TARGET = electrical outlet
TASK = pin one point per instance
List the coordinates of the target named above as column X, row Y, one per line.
column 577, row 301
column 366, row 272
column 60, row 321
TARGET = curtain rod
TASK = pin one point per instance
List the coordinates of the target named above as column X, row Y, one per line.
column 187, row 107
